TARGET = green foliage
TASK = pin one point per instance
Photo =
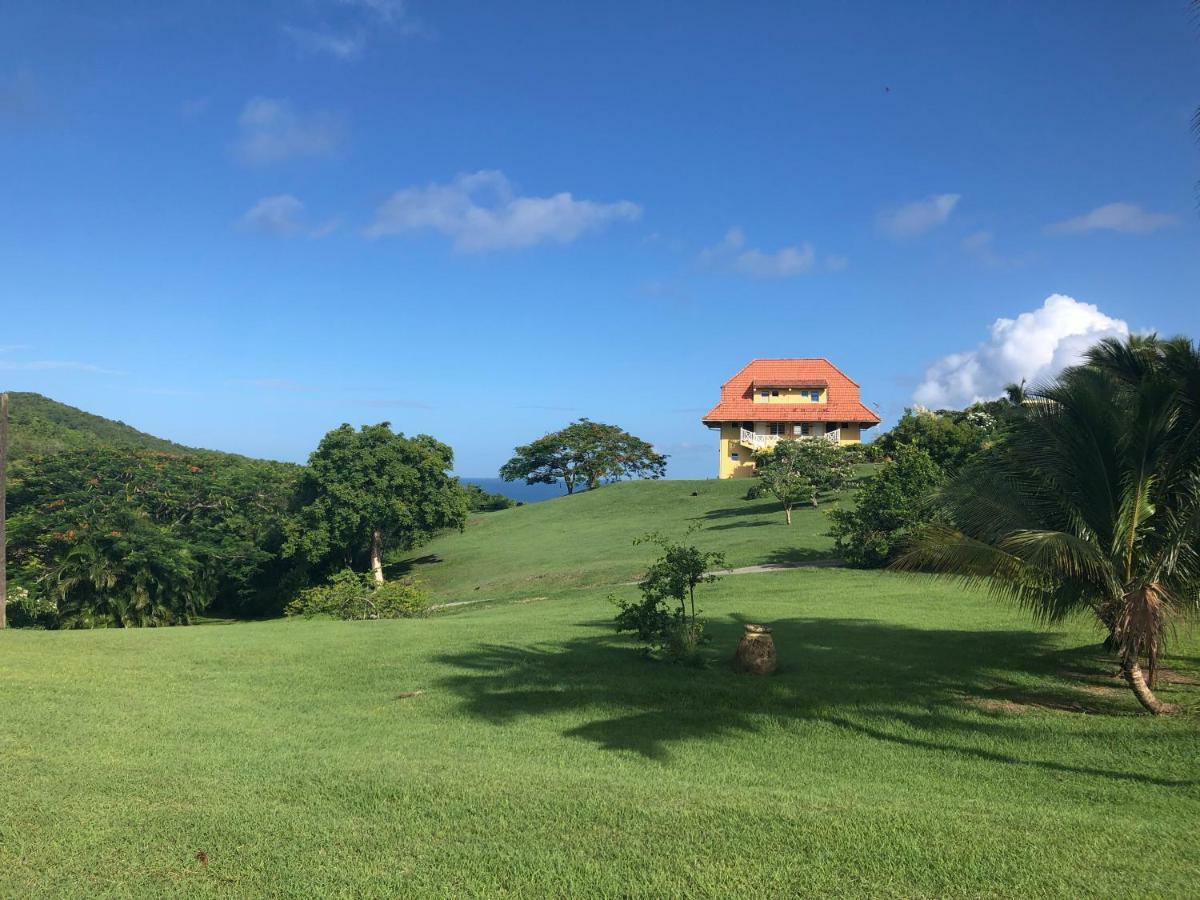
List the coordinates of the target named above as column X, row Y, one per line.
column 949, row 437
column 372, row 490
column 891, row 502
column 39, row 426
column 30, row 609
column 664, row 619
column 355, row 595
column 796, row 472
column 480, row 500
column 587, row 454
column 1092, row 501
column 124, row 537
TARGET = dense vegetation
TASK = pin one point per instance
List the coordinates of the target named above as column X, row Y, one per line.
column 40, row 426
column 110, row 527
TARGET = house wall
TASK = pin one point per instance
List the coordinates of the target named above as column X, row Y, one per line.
column 742, row 467
column 793, row 396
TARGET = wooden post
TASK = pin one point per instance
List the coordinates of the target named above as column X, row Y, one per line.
column 3, row 511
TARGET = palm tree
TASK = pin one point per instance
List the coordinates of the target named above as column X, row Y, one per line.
column 1091, row 503
column 1016, row 393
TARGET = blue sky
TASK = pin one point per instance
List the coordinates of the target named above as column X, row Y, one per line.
column 239, row 225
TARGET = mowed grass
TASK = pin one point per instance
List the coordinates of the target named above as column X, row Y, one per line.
column 918, row 741
column 586, row 540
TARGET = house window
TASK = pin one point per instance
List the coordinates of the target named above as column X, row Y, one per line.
column 774, row 393
column 778, row 428
column 845, row 424
column 797, row 429
column 815, row 396
column 764, row 394
column 806, row 429
column 733, row 454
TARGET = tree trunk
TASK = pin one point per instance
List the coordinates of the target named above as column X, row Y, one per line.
column 787, row 511
column 1137, row 682
column 377, row 555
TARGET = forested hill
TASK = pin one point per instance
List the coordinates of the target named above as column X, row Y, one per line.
column 39, row 425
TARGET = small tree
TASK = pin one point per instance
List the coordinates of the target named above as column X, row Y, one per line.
column 370, row 490
column 584, row 453
column 890, row 504
column 796, row 472
column 665, row 617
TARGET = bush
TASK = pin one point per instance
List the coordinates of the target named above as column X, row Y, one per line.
column 353, row 595
column 673, row 632
column 31, row 609
column 891, row 502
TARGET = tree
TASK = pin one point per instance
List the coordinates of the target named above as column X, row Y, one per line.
column 480, row 500
column 584, row 453
column 950, row 437
column 1090, row 503
column 800, row 471
column 373, row 490
column 890, row 504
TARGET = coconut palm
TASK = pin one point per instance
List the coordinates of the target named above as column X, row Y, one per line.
column 1091, row 503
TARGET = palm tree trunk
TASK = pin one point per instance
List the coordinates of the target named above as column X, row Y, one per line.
column 1137, row 682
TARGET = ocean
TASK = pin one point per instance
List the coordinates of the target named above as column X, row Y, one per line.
column 518, row 490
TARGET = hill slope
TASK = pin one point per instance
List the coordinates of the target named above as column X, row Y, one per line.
column 586, row 540
column 39, row 425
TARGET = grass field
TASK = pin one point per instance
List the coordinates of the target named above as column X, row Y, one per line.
column 917, row 741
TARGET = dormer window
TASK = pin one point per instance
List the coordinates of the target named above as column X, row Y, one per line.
column 815, row 396
column 764, row 394
column 774, row 393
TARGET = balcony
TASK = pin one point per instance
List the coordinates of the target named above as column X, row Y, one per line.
column 754, row 441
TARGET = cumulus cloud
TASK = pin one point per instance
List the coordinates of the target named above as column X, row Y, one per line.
column 1034, row 346
column 914, row 219
column 1127, row 218
column 482, row 211
column 283, row 216
column 272, row 131
column 788, row 261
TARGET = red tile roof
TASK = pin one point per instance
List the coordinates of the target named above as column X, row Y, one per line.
column 737, row 394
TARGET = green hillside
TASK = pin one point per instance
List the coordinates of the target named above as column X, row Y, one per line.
column 39, row 425
column 586, row 540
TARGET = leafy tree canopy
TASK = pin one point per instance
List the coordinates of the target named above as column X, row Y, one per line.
column 371, row 490
column 950, row 437
column 800, row 471
column 123, row 537
column 585, row 453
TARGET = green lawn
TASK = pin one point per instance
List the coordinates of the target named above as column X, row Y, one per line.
column 586, row 540
column 917, row 741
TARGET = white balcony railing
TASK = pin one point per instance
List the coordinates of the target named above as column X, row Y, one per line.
column 748, row 438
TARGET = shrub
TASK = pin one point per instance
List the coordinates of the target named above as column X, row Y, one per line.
column 891, row 503
column 672, row 631
column 31, row 609
column 353, row 595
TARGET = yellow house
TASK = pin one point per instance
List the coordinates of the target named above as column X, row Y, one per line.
column 784, row 399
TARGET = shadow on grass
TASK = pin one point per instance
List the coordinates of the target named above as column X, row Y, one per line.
column 920, row 688
column 799, row 556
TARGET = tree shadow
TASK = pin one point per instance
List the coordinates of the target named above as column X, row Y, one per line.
column 749, row 508
column 800, row 556
column 920, row 688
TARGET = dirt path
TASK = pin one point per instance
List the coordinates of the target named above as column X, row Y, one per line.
column 739, row 570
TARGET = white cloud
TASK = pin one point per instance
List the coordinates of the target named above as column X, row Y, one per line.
column 731, row 251
column 1034, row 346
column 1127, row 218
column 345, row 46
column 271, row 131
column 283, row 216
column 916, row 218
column 481, row 211
column 355, row 23
column 44, row 365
